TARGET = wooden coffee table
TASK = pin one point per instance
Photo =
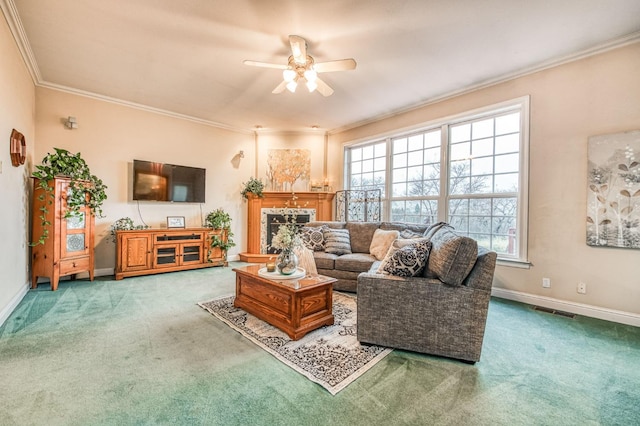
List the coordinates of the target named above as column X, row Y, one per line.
column 295, row 306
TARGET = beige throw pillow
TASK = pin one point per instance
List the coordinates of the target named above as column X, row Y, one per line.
column 381, row 242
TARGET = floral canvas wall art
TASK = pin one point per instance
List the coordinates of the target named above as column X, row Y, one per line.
column 613, row 204
column 288, row 169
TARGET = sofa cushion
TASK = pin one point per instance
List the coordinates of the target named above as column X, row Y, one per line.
column 324, row 260
column 312, row 237
column 327, row 223
column 336, row 241
column 407, row 260
column 361, row 235
column 452, row 255
column 408, row 234
column 355, row 262
column 381, row 242
column 418, row 228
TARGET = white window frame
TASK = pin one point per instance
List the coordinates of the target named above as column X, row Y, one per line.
column 521, row 104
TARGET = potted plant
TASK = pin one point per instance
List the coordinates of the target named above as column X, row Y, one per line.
column 85, row 189
column 253, row 186
column 220, row 220
column 124, row 224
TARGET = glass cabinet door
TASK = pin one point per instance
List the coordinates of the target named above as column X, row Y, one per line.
column 191, row 253
column 165, row 255
column 74, row 235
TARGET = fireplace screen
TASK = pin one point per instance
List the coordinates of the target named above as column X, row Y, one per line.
column 271, row 219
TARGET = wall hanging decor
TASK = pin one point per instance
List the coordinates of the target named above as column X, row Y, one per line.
column 17, row 148
column 613, row 188
column 288, row 169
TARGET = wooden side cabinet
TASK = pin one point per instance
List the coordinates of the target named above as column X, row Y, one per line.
column 152, row 251
column 134, row 252
column 69, row 248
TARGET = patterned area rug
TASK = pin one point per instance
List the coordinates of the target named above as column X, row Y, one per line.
column 330, row 356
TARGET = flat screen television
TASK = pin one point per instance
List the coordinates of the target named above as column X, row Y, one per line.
column 168, row 182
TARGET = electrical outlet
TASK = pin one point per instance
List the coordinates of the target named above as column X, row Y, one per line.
column 582, row 288
column 546, row 282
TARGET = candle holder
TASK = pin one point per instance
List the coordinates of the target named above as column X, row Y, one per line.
column 271, row 265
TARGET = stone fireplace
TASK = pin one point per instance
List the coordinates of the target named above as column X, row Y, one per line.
column 271, row 219
column 317, row 205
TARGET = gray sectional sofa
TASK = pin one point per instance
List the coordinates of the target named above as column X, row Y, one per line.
column 346, row 267
column 442, row 311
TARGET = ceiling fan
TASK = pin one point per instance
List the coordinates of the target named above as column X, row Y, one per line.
column 302, row 68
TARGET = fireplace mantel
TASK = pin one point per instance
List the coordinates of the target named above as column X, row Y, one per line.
column 322, row 202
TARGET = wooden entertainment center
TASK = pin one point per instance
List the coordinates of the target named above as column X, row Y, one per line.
column 153, row 251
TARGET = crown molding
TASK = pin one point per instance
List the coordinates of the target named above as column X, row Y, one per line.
column 290, row 132
column 142, row 107
column 15, row 25
column 595, row 50
column 17, row 30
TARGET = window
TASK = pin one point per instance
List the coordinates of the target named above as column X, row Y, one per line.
column 367, row 166
column 415, row 178
column 469, row 170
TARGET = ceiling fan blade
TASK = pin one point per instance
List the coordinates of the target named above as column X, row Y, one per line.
column 298, row 49
column 280, row 87
column 265, row 65
column 339, row 65
column 323, row 88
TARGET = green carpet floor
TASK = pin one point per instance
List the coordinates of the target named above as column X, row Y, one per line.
column 140, row 351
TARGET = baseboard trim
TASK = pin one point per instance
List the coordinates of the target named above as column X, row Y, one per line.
column 13, row 303
column 103, row 272
column 621, row 317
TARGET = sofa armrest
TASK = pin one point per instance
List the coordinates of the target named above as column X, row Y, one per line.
column 481, row 275
column 422, row 314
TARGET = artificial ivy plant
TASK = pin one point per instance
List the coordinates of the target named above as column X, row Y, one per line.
column 219, row 219
column 85, row 189
column 124, row 224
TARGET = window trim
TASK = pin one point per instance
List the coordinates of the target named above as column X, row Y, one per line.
column 522, row 217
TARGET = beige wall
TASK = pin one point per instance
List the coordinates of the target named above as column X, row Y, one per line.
column 314, row 141
column 569, row 103
column 110, row 136
column 17, row 110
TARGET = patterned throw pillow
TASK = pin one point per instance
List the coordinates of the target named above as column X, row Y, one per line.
column 313, row 237
column 406, row 260
column 337, row 241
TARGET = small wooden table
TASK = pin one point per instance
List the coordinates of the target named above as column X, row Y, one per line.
column 295, row 306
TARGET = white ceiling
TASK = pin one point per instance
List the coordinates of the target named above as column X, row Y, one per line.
column 185, row 57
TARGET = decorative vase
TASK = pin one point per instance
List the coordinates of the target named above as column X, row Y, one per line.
column 287, row 262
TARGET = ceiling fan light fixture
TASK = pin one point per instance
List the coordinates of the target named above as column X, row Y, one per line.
column 302, row 68
column 291, row 86
column 289, row 75
column 310, row 75
column 311, row 85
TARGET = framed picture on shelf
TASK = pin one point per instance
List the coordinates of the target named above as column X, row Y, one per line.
column 175, row 221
